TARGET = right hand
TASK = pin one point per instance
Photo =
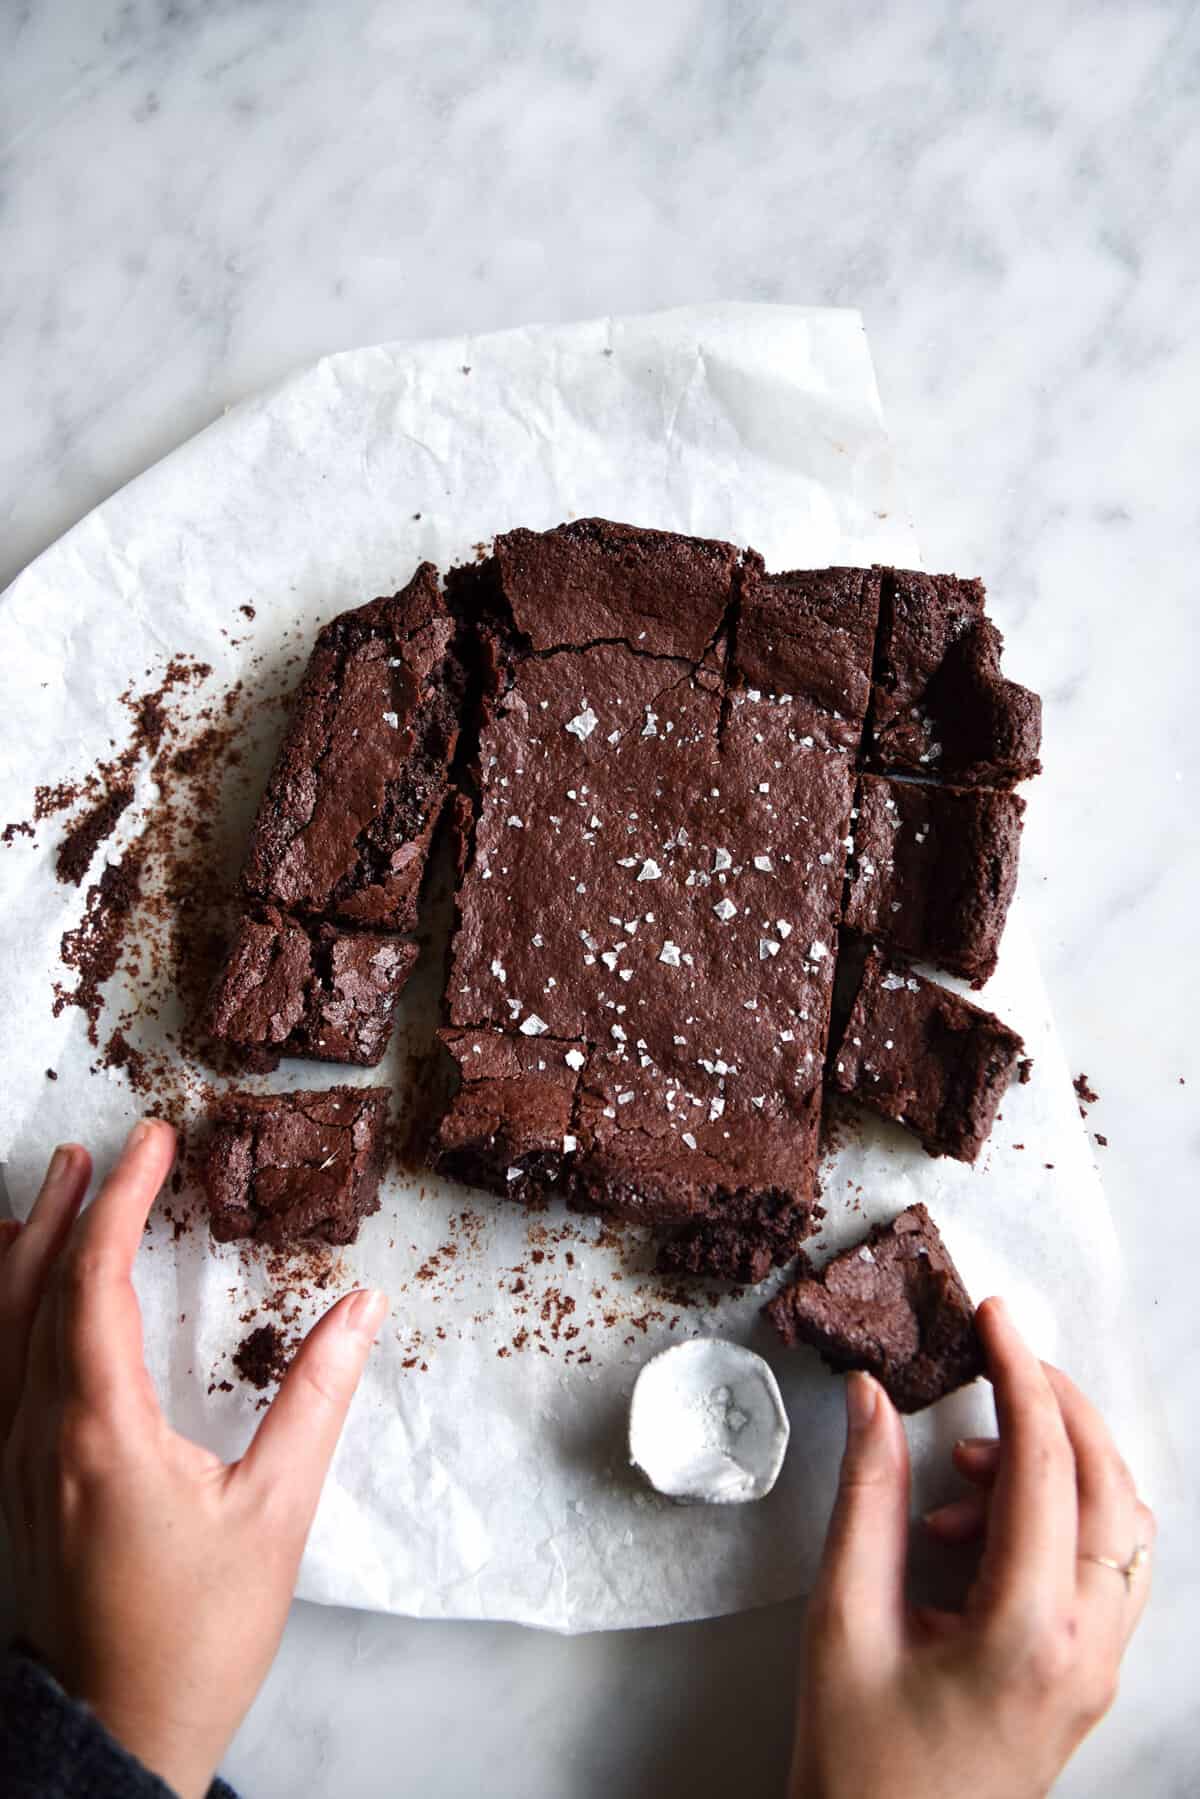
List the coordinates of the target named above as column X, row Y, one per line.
column 152, row 1579
column 991, row 1702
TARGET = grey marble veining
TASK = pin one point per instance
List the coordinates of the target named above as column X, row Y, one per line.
column 196, row 196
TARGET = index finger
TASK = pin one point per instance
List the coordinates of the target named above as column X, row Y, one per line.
column 90, row 1339
column 1028, row 1565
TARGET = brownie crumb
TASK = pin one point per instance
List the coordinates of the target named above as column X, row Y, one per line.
column 51, row 1074
column 1102, row 1140
column 247, row 612
column 93, row 948
column 20, row 827
column 1025, row 1070
column 1086, row 1095
column 262, row 1358
column 84, row 838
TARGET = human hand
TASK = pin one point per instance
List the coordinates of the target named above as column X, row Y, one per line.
column 897, row 1704
column 152, row 1579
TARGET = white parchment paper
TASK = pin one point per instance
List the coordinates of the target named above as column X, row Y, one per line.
column 482, row 1473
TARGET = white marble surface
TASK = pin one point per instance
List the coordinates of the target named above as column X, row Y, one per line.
column 196, row 196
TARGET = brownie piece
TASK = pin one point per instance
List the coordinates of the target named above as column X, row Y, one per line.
column 933, row 870
column 508, row 1128
column 344, row 825
column 593, row 580
column 810, row 636
column 918, row 1053
column 293, row 987
column 940, row 705
column 893, row 1305
column 283, row 1167
column 661, row 886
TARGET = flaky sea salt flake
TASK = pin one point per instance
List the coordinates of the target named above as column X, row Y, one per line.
column 583, row 724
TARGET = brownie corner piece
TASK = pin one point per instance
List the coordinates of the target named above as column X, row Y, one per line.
column 291, row 1167
column 294, row 987
column 893, row 1305
column 344, row 826
column 917, row 1053
column 933, row 871
column 940, row 705
column 508, row 1129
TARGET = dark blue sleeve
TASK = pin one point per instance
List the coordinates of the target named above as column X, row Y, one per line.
column 52, row 1748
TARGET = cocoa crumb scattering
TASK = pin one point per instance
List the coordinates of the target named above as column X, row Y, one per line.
column 84, row 838
column 261, row 1358
column 20, row 827
column 1084, row 1093
column 93, row 948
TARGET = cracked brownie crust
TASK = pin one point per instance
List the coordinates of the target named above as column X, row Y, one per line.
column 344, row 826
column 655, row 882
column 289, row 1166
column 293, row 987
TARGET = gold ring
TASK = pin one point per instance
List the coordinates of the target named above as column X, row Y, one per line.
column 1126, row 1570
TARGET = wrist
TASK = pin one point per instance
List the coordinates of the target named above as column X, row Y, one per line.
column 181, row 1756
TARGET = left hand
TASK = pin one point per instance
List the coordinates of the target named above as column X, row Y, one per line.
column 152, row 1579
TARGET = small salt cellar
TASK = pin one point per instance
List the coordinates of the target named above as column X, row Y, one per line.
column 707, row 1423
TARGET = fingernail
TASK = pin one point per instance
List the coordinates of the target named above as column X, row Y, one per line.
column 60, row 1161
column 862, row 1396
column 976, row 1443
column 144, row 1128
column 366, row 1310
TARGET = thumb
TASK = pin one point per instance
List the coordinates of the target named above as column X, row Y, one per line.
column 861, row 1581
column 294, row 1444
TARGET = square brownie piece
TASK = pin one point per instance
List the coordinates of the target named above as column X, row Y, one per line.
column 294, row 987
column 939, row 704
column 592, row 581
column 893, row 1305
column 344, row 825
column 285, row 1167
column 916, row 1052
column 657, row 879
column 810, row 636
column 933, row 871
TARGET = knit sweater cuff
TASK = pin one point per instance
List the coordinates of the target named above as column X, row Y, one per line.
column 53, row 1748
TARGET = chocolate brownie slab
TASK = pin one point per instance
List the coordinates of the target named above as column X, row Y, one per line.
column 592, row 581
column 810, row 635
column 916, row 1052
column 508, row 1128
column 661, row 886
column 940, row 706
column 293, row 987
column 344, row 825
column 289, row 1166
column 893, row 1305
column 933, row 870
